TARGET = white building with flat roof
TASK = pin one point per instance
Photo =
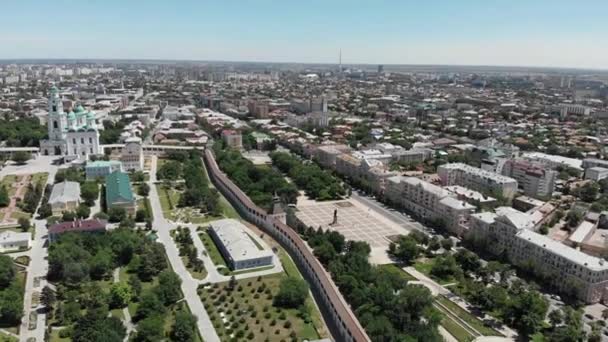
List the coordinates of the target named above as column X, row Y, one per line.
column 553, row 161
column 240, row 249
column 10, row 241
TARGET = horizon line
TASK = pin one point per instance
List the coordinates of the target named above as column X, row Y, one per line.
column 184, row 60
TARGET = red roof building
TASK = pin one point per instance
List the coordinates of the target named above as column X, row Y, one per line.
column 79, row 226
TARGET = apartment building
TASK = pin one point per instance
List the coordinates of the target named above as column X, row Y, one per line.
column 477, row 179
column 596, row 173
column 535, row 180
column 511, row 233
column 593, row 162
column 428, row 202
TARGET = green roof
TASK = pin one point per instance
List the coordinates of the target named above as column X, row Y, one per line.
column 118, row 188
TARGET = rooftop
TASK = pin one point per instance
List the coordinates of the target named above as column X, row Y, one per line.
column 237, row 242
column 65, row 192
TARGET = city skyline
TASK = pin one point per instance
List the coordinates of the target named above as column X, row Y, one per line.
column 541, row 34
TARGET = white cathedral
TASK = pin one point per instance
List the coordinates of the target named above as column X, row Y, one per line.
column 74, row 134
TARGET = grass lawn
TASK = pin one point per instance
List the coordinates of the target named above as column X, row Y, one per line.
column 23, row 260
column 425, row 268
column 473, row 321
column 40, row 177
column 55, row 337
column 248, row 310
column 397, row 270
column 8, row 181
column 17, row 214
column 455, row 329
column 168, row 200
column 212, row 250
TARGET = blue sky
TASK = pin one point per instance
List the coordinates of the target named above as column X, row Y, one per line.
column 562, row 33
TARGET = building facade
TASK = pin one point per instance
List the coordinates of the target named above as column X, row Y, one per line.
column 535, row 180
column 101, row 168
column 511, row 233
column 132, row 155
column 477, row 179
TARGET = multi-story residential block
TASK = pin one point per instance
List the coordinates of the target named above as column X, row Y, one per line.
column 326, row 154
column 511, row 233
column 428, row 202
column 535, row 180
column 232, row 138
column 596, row 173
column 553, row 161
column 477, row 179
column 593, row 162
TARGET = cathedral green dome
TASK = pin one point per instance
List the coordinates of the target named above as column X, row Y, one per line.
column 71, row 116
column 91, row 115
column 79, row 109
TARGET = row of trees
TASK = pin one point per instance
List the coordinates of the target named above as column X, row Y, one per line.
column 259, row 183
column 11, row 293
column 197, row 192
column 389, row 308
column 318, row 183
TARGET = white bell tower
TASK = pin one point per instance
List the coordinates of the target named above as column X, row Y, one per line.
column 57, row 120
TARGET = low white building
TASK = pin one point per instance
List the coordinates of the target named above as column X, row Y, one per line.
column 237, row 246
column 10, row 241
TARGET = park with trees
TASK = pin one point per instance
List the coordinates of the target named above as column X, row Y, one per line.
column 260, row 183
column 88, row 297
column 12, row 283
column 318, row 183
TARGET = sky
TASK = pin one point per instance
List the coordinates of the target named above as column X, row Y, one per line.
column 551, row 33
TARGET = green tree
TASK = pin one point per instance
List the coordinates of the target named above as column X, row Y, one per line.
column 150, row 329
column 21, row 157
column 406, row 249
column 4, row 197
column 83, row 211
column 48, row 298
column 89, row 191
column 168, row 289
column 24, row 224
column 7, row 271
column 120, row 295
column 292, row 293
column 184, row 329
column 149, row 305
column 144, row 189
column 117, row 214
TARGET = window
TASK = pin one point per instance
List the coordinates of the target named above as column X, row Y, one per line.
column 75, row 152
column 74, row 141
column 90, row 140
column 91, row 149
column 82, row 141
column 54, row 109
column 55, row 124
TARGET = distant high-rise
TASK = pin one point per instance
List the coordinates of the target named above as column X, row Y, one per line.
column 380, row 68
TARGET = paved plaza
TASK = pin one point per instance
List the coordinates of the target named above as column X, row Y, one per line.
column 354, row 221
